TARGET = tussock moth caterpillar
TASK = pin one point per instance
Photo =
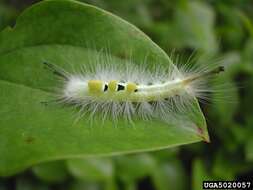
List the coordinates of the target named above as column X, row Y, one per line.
column 134, row 91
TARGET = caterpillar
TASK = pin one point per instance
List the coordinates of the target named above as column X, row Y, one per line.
column 133, row 91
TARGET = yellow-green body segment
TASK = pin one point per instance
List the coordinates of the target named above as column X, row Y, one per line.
column 129, row 91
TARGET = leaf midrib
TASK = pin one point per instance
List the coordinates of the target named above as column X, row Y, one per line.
column 25, row 86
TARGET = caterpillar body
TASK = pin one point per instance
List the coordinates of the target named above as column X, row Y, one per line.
column 113, row 90
column 133, row 91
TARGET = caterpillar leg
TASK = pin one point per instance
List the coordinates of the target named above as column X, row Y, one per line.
column 56, row 70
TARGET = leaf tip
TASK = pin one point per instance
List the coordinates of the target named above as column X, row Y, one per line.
column 204, row 135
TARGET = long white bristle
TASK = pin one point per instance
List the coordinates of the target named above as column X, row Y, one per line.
column 75, row 89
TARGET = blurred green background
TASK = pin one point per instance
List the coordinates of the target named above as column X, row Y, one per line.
column 221, row 28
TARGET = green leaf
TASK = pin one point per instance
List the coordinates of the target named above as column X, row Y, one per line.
column 195, row 23
column 200, row 174
column 135, row 167
column 70, row 34
column 133, row 11
column 7, row 15
column 77, row 185
column 249, row 150
column 28, row 183
column 92, row 169
column 223, row 168
column 169, row 175
column 51, row 172
column 231, row 29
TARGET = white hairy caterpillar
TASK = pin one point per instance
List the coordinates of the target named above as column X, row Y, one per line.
column 133, row 91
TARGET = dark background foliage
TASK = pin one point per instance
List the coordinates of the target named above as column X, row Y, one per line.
column 221, row 28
